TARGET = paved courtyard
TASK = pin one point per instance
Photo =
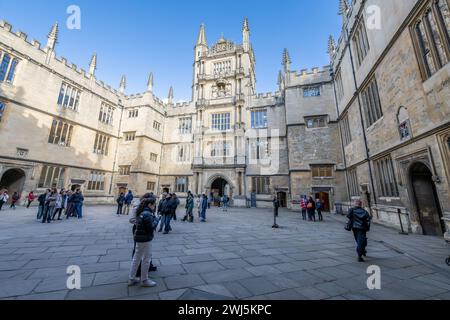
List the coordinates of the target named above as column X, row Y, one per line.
column 235, row 255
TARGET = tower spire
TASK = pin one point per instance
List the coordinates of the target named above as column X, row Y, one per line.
column 286, row 61
column 202, row 36
column 170, row 97
column 53, row 37
column 123, row 84
column 246, row 35
column 331, row 47
column 150, row 82
column 93, row 65
column 280, row 81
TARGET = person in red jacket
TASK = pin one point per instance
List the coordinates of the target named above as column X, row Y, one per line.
column 30, row 198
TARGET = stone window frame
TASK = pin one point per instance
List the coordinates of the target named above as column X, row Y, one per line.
column 322, row 171
column 129, row 136
column 181, row 184
column 101, row 144
column 151, row 186
column 185, row 125
column 6, row 67
column 261, row 185
column 428, row 55
column 353, row 182
column 69, row 97
column 106, row 114
column 346, row 132
column 220, row 149
column 260, row 148
column 153, row 157
column 61, row 133
column 444, row 146
column 51, row 177
column 361, row 42
column 312, row 91
column 258, row 119
column 385, row 177
column 124, row 170
column 340, row 92
column 317, row 122
column 96, row 181
column 157, row 125
column 370, row 95
column 183, row 153
column 133, row 113
column 221, row 121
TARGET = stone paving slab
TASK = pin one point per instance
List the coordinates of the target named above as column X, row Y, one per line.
column 236, row 255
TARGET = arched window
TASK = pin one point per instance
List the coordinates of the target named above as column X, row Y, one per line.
column 404, row 125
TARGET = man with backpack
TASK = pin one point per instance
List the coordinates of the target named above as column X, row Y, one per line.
column 120, row 202
column 319, row 206
column 359, row 221
column 128, row 199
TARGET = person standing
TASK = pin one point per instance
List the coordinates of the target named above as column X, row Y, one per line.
column 50, row 204
column 15, row 198
column 4, row 197
column 167, row 212
column 276, row 206
column 59, row 205
column 204, row 207
column 81, row 204
column 175, row 204
column 77, row 199
column 143, row 231
column 69, row 205
column 225, row 202
column 319, row 206
column 41, row 209
column 311, row 207
column 198, row 202
column 30, row 199
column 189, row 208
column 359, row 221
column 120, row 202
column 303, row 204
column 128, row 200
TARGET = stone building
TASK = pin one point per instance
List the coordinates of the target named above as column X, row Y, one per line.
column 372, row 125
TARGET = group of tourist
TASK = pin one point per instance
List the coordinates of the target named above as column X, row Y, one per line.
column 4, row 198
column 53, row 203
column 310, row 206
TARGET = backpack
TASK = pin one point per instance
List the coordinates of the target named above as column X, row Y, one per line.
column 310, row 205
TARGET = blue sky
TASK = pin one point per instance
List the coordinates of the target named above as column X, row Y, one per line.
column 135, row 37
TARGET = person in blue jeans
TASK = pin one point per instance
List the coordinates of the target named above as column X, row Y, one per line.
column 225, row 202
column 128, row 199
column 77, row 202
column 167, row 213
column 204, row 207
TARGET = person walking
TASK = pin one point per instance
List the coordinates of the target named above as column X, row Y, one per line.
column 311, row 208
column 225, row 201
column 359, row 221
column 69, row 205
column 15, row 198
column 189, row 208
column 145, row 224
column 175, row 204
column 50, row 204
column 319, row 207
column 160, row 210
column 41, row 200
column 30, row 198
column 204, row 207
column 167, row 213
column 128, row 200
column 4, row 197
column 59, row 205
column 303, row 204
column 81, row 204
column 120, row 202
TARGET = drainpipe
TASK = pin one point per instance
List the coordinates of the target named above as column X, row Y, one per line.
column 347, row 39
column 117, row 146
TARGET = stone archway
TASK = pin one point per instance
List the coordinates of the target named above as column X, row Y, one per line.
column 13, row 180
column 219, row 185
column 426, row 200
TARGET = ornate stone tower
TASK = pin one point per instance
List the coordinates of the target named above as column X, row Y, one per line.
column 224, row 77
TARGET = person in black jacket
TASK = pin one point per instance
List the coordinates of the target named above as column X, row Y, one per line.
column 311, row 208
column 41, row 200
column 120, row 202
column 359, row 222
column 145, row 224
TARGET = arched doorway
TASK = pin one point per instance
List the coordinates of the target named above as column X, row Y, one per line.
column 13, row 180
column 219, row 188
column 426, row 200
column 282, row 198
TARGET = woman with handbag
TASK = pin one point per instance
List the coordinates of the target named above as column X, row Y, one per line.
column 144, row 227
column 311, row 208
